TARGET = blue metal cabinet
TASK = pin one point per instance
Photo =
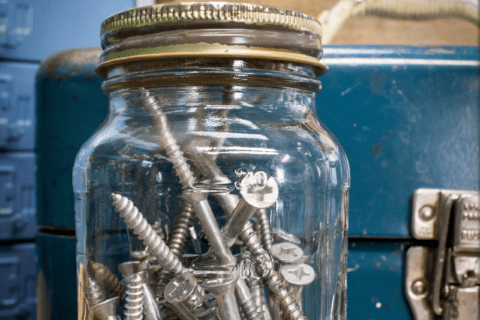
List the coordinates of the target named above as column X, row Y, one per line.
column 17, row 105
column 18, row 281
column 17, row 196
column 34, row 29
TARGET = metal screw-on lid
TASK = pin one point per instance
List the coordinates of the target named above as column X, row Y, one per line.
column 211, row 29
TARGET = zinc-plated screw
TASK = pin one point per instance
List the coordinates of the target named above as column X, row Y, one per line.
column 167, row 140
column 94, row 292
column 140, row 227
column 263, row 228
column 106, row 279
column 106, row 310
column 297, row 276
column 134, row 298
column 286, row 253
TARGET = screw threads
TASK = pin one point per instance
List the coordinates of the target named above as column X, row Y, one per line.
column 134, row 298
column 167, row 140
column 263, row 227
column 250, row 310
column 259, row 297
column 106, row 279
column 94, row 292
column 179, row 233
column 250, row 238
column 140, row 227
column 288, row 304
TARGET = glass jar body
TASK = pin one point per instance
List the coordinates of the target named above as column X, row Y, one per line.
column 209, row 140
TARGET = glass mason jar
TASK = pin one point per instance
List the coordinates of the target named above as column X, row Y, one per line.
column 211, row 191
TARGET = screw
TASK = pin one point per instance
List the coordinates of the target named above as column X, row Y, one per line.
column 281, row 236
column 94, row 293
column 140, row 227
column 150, row 307
column 263, row 228
column 134, row 298
column 166, row 138
column 259, row 297
column 223, row 289
column 129, row 268
column 248, row 306
column 288, row 305
column 286, row 252
column 106, row 279
column 427, row 213
column 106, row 310
column 297, row 276
column 419, row 287
column 257, row 192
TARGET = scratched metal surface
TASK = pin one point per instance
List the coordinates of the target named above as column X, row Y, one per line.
column 375, row 281
column 407, row 118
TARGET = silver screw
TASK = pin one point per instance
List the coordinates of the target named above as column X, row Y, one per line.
column 106, row 310
column 247, row 304
column 140, row 227
column 134, row 298
column 223, row 289
column 286, row 252
column 166, row 138
column 106, row 279
column 263, row 228
column 94, row 293
column 297, row 276
column 280, row 235
column 259, row 297
column 129, row 268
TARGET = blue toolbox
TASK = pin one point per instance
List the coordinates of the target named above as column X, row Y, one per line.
column 407, row 118
column 18, row 279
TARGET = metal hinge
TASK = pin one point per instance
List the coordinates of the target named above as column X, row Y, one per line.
column 443, row 280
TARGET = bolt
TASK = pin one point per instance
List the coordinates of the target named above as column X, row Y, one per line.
column 106, row 310
column 106, row 279
column 257, row 192
column 94, row 293
column 263, row 228
column 134, row 298
column 427, row 213
column 419, row 287
column 247, row 303
column 223, row 289
column 140, row 227
column 166, row 138
column 286, row 252
column 297, row 276
column 187, row 298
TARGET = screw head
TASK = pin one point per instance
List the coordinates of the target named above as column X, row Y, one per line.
column 419, row 287
column 427, row 213
column 298, row 274
column 180, row 288
column 286, row 252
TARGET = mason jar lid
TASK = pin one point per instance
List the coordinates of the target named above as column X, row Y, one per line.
column 211, row 29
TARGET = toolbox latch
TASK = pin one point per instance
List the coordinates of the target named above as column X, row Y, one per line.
column 442, row 279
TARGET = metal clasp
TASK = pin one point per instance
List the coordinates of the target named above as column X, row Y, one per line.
column 443, row 278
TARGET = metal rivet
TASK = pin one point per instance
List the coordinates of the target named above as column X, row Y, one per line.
column 419, row 287
column 427, row 213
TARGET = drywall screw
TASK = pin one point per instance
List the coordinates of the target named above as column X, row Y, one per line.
column 259, row 297
column 134, row 297
column 297, row 276
column 106, row 310
column 94, row 292
column 286, row 253
column 140, row 227
column 262, row 226
column 258, row 192
column 188, row 299
column 106, row 279
column 246, row 302
column 166, row 138
column 223, row 289
column 210, row 226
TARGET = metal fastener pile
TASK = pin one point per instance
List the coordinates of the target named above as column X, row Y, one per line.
column 165, row 284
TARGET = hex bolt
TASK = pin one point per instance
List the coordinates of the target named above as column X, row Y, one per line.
column 246, row 302
column 166, row 138
column 210, row 226
column 259, row 297
column 187, row 298
column 134, row 297
column 297, row 276
column 263, row 228
column 286, row 253
column 94, row 292
column 106, row 279
column 140, row 227
column 223, row 289
column 258, row 192
column 106, row 310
